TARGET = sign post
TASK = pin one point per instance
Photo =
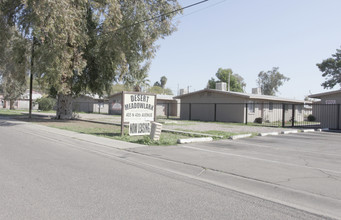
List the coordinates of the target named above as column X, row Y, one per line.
column 138, row 109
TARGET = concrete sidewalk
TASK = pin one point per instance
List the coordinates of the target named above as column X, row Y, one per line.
column 60, row 134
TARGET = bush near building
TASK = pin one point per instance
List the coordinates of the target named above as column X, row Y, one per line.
column 46, row 103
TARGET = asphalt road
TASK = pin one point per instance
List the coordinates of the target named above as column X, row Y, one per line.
column 52, row 174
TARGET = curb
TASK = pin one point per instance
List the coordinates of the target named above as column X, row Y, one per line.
column 235, row 137
column 267, row 134
column 192, row 133
column 307, row 130
column 289, row 132
column 192, row 140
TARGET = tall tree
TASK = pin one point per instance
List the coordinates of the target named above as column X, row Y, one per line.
column 237, row 83
column 14, row 67
column 270, row 81
column 163, row 81
column 331, row 69
column 86, row 45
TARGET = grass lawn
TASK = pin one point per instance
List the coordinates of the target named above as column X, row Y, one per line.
column 113, row 132
column 6, row 112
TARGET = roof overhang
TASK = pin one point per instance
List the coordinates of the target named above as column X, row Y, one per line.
column 319, row 95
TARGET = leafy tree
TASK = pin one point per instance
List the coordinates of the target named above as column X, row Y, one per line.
column 118, row 88
column 270, row 81
column 137, row 77
column 46, row 103
column 86, row 45
column 13, row 67
column 157, row 83
column 160, row 90
column 331, row 69
column 236, row 81
column 211, row 83
column 162, row 82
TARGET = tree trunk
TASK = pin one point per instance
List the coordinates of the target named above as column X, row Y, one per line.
column 11, row 105
column 64, row 107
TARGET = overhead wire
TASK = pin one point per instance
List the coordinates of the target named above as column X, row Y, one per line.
column 161, row 15
column 210, row 6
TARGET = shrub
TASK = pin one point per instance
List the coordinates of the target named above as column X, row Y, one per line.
column 311, row 118
column 259, row 120
column 46, row 104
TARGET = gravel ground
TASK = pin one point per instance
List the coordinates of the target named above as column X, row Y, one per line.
column 192, row 125
column 185, row 125
column 227, row 127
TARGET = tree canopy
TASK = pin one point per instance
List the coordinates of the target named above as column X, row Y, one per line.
column 160, row 90
column 86, row 45
column 13, row 66
column 237, row 83
column 270, row 81
column 331, row 70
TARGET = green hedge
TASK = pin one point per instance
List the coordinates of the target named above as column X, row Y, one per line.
column 46, row 104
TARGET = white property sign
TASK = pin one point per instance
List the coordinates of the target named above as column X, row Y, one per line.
column 138, row 109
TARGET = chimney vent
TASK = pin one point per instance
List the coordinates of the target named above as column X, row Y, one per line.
column 256, row 91
column 220, row 86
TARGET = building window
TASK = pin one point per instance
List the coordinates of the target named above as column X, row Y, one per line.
column 271, row 106
column 251, row 107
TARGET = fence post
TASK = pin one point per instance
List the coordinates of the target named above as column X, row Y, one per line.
column 338, row 117
column 283, row 115
column 293, row 116
column 190, row 111
column 215, row 111
column 167, row 110
column 246, row 108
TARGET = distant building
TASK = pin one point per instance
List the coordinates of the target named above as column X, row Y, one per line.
column 224, row 106
column 23, row 102
column 89, row 104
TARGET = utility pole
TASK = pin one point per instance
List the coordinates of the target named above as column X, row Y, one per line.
column 228, row 86
column 31, row 78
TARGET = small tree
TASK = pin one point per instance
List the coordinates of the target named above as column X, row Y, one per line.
column 237, row 83
column 331, row 69
column 159, row 90
column 270, row 81
column 46, row 103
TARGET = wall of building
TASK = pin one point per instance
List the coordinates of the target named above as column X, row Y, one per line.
column 202, row 107
column 21, row 104
column 162, row 108
column 210, row 106
column 327, row 115
column 90, row 105
column 331, row 98
column 327, row 111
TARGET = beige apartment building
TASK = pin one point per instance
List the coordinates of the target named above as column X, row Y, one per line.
column 226, row 106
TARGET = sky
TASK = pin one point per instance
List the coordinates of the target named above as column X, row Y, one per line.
column 250, row 36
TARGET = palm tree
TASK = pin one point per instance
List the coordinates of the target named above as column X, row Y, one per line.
column 163, row 81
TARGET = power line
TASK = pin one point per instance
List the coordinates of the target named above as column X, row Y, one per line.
column 210, row 6
column 161, row 15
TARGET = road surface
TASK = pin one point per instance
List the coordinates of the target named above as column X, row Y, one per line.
column 47, row 173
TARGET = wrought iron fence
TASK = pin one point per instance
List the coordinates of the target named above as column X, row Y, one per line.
column 257, row 114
